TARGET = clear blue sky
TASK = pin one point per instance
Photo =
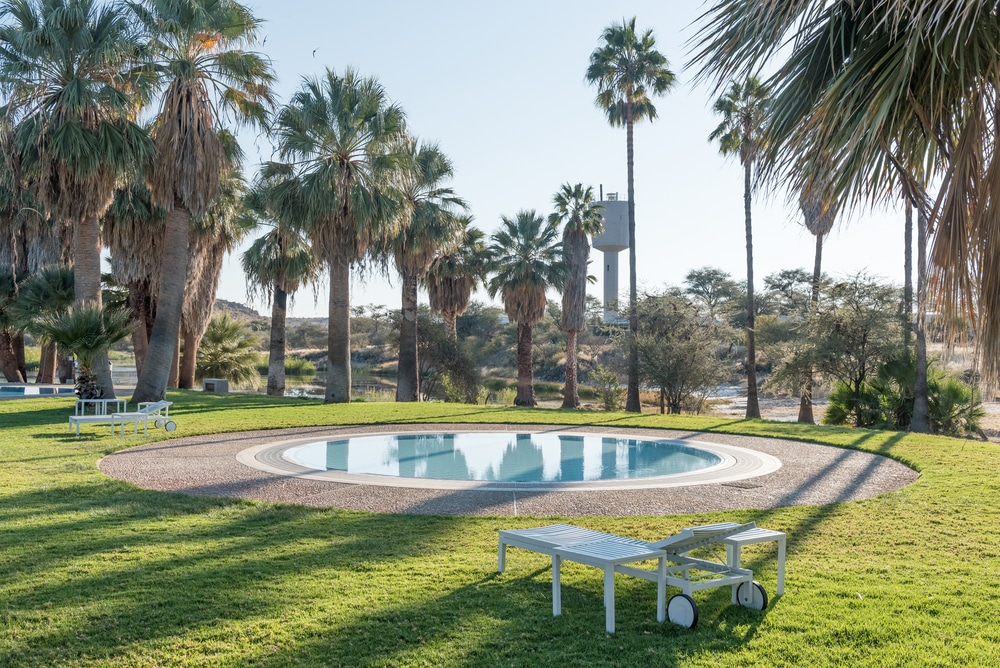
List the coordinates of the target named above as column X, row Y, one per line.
column 500, row 87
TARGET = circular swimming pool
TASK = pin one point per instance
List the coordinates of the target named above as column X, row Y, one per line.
column 499, row 457
column 495, row 459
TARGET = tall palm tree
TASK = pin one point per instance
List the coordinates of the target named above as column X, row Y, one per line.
column 133, row 232
column 527, row 261
column 226, row 223
column 744, row 112
column 198, row 52
column 881, row 85
column 67, row 68
column 347, row 142
column 628, row 72
column 276, row 265
column 431, row 225
column 581, row 218
column 455, row 274
column 819, row 212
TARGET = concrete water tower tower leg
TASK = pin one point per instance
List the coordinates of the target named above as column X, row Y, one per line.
column 610, row 286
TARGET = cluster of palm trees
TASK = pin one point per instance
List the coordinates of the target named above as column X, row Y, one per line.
column 77, row 77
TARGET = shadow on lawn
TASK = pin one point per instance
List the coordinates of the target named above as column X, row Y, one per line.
column 507, row 620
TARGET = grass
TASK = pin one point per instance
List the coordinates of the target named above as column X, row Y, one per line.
column 94, row 571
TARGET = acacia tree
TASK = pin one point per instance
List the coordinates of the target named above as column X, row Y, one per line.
column 346, row 141
column 197, row 49
column 526, row 261
column 432, row 225
column 628, row 72
column 581, row 218
column 744, row 110
column 67, row 69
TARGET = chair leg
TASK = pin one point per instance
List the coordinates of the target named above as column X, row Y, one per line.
column 501, row 556
column 661, row 591
column 733, row 557
column 556, row 586
column 609, row 598
column 781, row 566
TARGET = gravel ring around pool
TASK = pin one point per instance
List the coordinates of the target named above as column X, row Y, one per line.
column 207, row 466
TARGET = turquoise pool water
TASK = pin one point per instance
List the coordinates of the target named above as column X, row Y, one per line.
column 503, row 457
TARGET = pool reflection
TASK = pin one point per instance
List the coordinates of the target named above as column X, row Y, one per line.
column 491, row 456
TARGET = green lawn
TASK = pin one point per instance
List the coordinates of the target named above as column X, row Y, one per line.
column 97, row 572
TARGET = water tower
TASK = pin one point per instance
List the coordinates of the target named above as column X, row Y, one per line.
column 612, row 241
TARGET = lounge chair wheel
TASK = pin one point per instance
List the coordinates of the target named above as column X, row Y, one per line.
column 158, row 424
column 752, row 595
column 171, row 426
column 683, row 611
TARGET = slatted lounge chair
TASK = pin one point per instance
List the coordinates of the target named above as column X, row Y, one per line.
column 157, row 411
column 612, row 553
column 101, row 414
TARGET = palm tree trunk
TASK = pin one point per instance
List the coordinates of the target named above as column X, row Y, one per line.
column 908, row 268
column 87, row 285
column 64, row 367
column 753, row 407
column 921, row 420
column 175, row 366
column 8, row 360
column 47, row 364
column 632, row 404
column 276, row 345
column 571, row 396
column 152, row 383
column 138, row 303
column 450, row 325
column 806, row 398
column 338, row 368
column 525, row 372
column 22, row 363
column 407, row 378
column 189, row 361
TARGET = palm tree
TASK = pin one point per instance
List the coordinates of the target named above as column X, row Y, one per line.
column 276, row 265
column 744, row 110
column 527, row 261
column 213, row 236
column 229, row 351
column 133, row 232
column 432, row 225
column 49, row 291
column 628, row 72
column 347, row 142
column 197, row 49
column 819, row 213
column 454, row 275
column 67, row 69
column 88, row 331
column 581, row 218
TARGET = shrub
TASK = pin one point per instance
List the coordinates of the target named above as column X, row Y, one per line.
column 228, row 350
column 608, row 388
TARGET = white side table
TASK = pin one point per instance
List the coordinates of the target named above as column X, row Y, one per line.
column 734, row 545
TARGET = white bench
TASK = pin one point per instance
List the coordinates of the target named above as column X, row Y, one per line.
column 101, row 413
column 157, row 411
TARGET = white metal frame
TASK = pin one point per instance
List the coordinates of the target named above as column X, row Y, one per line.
column 148, row 410
column 611, row 553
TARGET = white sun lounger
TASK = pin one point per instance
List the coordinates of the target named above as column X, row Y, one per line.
column 157, row 411
column 611, row 553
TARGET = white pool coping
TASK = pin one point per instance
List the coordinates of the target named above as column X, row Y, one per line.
column 737, row 464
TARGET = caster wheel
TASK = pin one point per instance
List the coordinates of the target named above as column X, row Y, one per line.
column 752, row 595
column 171, row 426
column 683, row 611
column 158, row 424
